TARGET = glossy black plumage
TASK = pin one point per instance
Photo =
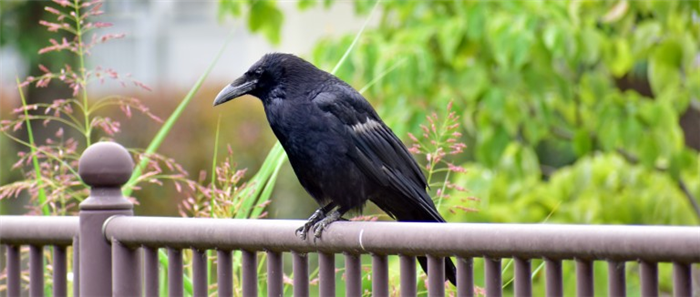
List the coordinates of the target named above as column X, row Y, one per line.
column 341, row 151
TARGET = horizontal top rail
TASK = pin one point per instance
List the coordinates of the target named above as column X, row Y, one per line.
column 587, row 242
column 38, row 230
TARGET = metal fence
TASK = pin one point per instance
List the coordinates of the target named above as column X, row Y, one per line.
column 115, row 253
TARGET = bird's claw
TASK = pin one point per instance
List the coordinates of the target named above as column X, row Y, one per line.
column 322, row 225
column 303, row 230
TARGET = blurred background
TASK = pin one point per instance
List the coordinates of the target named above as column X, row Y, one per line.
column 572, row 111
column 583, row 112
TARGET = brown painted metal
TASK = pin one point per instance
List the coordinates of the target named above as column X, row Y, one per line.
column 35, row 230
column 175, row 285
column 584, row 278
column 36, row 270
column 523, row 283
column 380, row 276
column 300, row 265
column 150, row 272
column 105, row 167
column 224, row 271
column 436, row 276
column 682, row 280
column 326, row 274
column 59, row 271
column 649, row 277
column 76, row 266
column 652, row 243
column 465, row 277
column 199, row 273
column 13, row 271
column 492, row 268
column 126, row 270
column 353, row 275
column 408, row 275
column 554, row 283
column 249, row 267
column 275, row 287
column 616, row 279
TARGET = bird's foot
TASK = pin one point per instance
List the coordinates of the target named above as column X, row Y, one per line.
column 323, row 224
column 317, row 216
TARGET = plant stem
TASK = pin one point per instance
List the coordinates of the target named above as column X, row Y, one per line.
column 83, row 78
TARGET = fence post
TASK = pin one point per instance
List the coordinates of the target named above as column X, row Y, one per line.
column 105, row 167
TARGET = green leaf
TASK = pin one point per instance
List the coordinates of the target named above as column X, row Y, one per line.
column 491, row 144
column 450, row 37
column 267, row 18
column 233, row 7
column 306, row 4
column 632, row 132
column 582, row 142
column 619, row 58
column 664, row 66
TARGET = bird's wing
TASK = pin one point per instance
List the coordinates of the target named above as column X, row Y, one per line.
column 379, row 153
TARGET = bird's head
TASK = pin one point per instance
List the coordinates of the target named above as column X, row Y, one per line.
column 265, row 75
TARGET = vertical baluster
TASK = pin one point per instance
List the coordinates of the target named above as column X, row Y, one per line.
column 649, row 277
column 199, row 273
column 59, row 271
column 76, row 266
column 326, row 274
column 380, row 275
column 126, row 270
column 250, row 273
column 275, row 287
column 14, row 280
column 436, row 276
column 553, row 273
column 523, row 281
column 175, row 272
column 301, row 274
column 150, row 271
column 584, row 278
column 408, row 275
column 616, row 279
column 224, row 271
column 36, row 271
column 353, row 275
column 465, row 277
column 492, row 267
column 682, row 285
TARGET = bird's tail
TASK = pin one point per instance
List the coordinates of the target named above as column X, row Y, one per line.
column 450, row 269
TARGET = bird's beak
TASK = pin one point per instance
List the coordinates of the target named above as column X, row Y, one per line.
column 237, row 88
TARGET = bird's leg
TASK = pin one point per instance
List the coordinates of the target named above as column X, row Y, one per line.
column 323, row 224
column 317, row 216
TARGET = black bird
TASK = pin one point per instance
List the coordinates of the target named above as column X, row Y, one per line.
column 341, row 151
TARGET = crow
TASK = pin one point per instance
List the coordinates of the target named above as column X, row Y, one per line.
column 341, row 151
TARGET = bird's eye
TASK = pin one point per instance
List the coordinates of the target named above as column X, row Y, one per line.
column 258, row 71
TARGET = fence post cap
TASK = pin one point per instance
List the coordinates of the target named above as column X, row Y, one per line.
column 105, row 167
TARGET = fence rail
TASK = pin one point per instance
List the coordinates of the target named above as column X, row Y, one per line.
column 117, row 253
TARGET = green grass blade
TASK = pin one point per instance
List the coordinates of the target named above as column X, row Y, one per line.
column 35, row 162
column 170, row 122
column 354, row 41
column 213, row 163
